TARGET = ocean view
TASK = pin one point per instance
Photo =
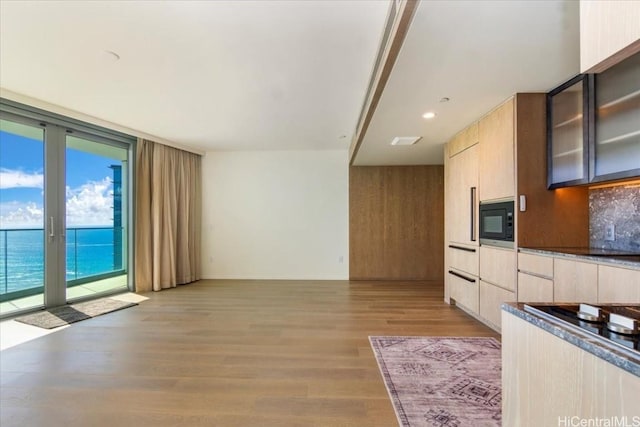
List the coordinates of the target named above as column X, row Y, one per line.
column 90, row 251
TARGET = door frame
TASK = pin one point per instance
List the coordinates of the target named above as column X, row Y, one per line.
column 56, row 128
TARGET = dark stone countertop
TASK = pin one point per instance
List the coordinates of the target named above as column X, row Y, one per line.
column 582, row 340
column 599, row 256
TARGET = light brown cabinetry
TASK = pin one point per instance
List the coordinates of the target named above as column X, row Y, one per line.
column 464, row 289
column 609, row 33
column 464, row 139
column 497, row 282
column 509, row 159
column 491, row 298
column 534, row 289
column 618, row 285
column 546, row 379
column 463, row 258
column 538, row 265
column 461, row 244
column 535, row 278
column 463, row 184
column 575, row 281
column 497, row 171
column 498, row 266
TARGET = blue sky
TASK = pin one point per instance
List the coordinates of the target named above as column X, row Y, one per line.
column 88, row 186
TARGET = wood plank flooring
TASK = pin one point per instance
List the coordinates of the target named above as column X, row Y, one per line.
column 226, row 353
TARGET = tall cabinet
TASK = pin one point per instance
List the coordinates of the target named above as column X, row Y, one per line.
column 461, row 238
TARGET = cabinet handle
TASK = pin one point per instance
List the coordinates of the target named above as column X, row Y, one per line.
column 462, row 276
column 473, row 214
column 462, row 248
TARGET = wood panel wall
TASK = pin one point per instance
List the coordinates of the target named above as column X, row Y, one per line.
column 396, row 222
column 554, row 218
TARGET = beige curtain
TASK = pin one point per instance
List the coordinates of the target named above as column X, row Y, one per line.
column 168, row 216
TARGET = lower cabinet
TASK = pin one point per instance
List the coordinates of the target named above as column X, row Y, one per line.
column 538, row 265
column 498, row 266
column 491, row 299
column 535, row 278
column 497, row 282
column 575, row 281
column 481, row 280
column 618, row 285
column 464, row 289
column 534, row 289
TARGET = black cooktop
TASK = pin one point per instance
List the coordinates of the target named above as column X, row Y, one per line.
column 568, row 313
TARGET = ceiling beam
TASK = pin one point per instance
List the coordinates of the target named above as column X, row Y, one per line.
column 400, row 16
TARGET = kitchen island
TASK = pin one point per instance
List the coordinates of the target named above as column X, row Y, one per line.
column 556, row 376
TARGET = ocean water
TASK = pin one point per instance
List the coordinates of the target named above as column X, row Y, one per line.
column 90, row 251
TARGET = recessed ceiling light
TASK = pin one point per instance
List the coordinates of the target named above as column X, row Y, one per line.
column 445, row 99
column 429, row 115
column 405, row 140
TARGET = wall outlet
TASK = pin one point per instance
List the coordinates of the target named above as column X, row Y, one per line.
column 340, row 259
column 610, row 233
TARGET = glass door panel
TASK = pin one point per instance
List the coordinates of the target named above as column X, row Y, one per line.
column 22, row 235
column 95, row 202
column 617, row 126
column 568, row 160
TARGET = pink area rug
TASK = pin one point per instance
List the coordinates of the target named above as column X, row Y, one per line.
column 442, row 381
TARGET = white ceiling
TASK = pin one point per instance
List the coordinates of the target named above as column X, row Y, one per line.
column 477, row 53
column 212, row 75
column 267, row 75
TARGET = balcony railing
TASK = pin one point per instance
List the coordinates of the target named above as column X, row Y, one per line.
column 92, row 253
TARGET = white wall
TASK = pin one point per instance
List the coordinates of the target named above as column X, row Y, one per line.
column 275, row 215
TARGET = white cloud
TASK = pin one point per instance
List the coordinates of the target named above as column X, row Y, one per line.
column 10, row 178
column 91, row 204
column 21, row 215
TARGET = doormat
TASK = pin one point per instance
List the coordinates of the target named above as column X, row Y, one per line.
column 66, row 314
column 442, row 381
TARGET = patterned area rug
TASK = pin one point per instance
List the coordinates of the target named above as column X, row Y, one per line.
column 442, row 381
column 60, row 316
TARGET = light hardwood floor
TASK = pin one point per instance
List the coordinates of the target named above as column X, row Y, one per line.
column 226, row 353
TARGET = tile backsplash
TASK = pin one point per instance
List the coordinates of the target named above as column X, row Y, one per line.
column 617, row 206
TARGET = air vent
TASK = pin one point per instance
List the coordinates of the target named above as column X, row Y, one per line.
column 405, row 140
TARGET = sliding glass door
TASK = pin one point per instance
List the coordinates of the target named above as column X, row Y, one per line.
column 96, row 215
column 64, row 212
column 22, row 239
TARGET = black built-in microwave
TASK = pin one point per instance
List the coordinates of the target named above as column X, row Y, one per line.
column 497, row 223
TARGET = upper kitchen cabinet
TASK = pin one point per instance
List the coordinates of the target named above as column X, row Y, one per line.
column 496, row 169
column 464, row 139
column 616, row 143
column 609, row 33
column 594, row 127
column 567, row 107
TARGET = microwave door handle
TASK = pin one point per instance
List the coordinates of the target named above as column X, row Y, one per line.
column 473, row 214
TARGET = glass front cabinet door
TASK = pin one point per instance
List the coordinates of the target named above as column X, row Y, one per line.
column 616, row 142
column 593, row 127
column 567, row 128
